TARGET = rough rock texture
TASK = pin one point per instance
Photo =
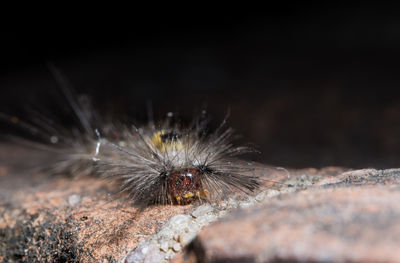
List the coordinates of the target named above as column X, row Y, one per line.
column 298, row 215
column 62, row 219
column 74, row 220
column 351, row 217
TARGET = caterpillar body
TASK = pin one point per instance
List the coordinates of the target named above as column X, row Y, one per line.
column 164, row 163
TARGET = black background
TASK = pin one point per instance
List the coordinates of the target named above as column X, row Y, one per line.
column 310, row 85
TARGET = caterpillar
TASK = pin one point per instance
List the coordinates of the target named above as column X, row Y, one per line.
column 159, row 163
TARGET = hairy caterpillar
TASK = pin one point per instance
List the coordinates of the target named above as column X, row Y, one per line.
column 162, row 163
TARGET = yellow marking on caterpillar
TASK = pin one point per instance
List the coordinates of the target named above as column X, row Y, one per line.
column 157, row 141
column 164, row 146
column 188, row 195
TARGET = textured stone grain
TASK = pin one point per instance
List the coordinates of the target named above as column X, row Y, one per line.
column 354, row 217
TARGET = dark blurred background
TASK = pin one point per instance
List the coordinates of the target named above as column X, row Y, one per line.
column 310, row 85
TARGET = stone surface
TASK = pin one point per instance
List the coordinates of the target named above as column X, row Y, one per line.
column 354, row 217
column 330, row 214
